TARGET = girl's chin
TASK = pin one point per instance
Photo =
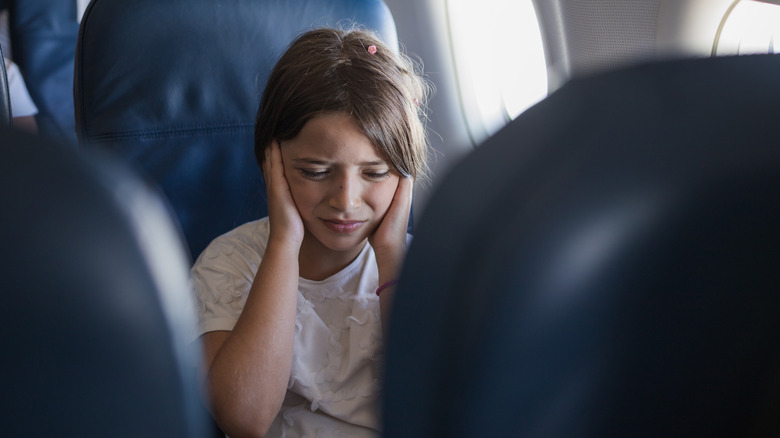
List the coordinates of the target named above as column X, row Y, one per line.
column 339, row 243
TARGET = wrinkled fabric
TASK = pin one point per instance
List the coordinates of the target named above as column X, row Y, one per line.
column 334, row 380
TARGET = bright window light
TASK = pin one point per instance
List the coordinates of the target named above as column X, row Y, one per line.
column 752, row 27
column 499, row 60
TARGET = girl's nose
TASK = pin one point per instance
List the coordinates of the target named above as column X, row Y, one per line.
column 345, row 194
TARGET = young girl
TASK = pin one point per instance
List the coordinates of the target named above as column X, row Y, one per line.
column 292, row 306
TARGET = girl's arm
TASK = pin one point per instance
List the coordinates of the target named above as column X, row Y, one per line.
column 249, row 368
column 389, row 243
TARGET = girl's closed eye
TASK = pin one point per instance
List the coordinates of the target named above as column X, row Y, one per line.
column 314, row 174
column 377, row 174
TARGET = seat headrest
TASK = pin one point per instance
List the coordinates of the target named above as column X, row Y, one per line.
column 98, row 323
column 173, row 87
column 604, row 265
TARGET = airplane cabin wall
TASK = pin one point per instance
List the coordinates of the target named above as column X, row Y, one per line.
column 422, row 31
column 591, row 37
column 690, row 27
column 585, row 37
column 580, row 37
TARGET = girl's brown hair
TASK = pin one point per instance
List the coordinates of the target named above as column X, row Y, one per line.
column 332, row 70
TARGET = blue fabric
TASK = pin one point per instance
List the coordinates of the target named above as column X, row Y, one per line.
column 173, row 87
column 43, row 38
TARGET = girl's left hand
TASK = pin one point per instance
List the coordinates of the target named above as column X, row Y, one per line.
column 389, row 239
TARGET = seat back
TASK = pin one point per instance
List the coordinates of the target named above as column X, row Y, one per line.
column 43, row 37
column 614, row 272
column 99, row 320
column 173, row 86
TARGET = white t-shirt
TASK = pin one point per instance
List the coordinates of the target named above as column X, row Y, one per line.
column 334, row 381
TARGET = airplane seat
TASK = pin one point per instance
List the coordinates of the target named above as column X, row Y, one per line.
column 98, row 319
column 605, row 265
column 5, row 96
column 173, row 88
column 43, row 37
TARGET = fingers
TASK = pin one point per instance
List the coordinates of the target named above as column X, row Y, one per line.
column 273, row 171
column 389, row 239
column 273, row 161
column 283, row 216
column 393, row 227
column 405, row 192
column 402, row 202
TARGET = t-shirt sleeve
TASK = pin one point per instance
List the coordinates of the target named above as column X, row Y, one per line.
column 221, row 279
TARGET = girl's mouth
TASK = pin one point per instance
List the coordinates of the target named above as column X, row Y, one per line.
column 343, row 227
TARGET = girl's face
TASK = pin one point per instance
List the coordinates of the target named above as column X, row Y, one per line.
column 341, row 184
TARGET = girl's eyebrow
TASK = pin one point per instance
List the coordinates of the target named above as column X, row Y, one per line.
column 321, row 162
column 374, row 163
column 305, row 160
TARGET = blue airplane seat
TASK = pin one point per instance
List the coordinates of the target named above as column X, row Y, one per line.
column 605, row 265
column 5, row 97
column 43, row 37
column 173, row 86
column 98, row 319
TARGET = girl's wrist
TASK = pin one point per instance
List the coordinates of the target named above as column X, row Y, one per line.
column 386, row 285
column 284, row 245
column 389, row 273
column 389, row 262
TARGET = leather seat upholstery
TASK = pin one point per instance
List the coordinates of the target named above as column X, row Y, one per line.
column 606, row 265
column 173, row 87
column 43, row 36
column 98, row 316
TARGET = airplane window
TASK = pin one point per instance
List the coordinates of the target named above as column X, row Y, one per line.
column 499, row 60
column 751, row 27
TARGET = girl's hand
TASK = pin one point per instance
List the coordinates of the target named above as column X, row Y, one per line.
column 389, row 239
column 285, row 221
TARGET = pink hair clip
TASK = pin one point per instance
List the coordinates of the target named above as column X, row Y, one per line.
column 372, row 49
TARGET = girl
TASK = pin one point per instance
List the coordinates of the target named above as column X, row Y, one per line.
column 292, row 306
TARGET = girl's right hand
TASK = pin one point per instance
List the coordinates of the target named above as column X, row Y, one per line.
column 285, row 221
